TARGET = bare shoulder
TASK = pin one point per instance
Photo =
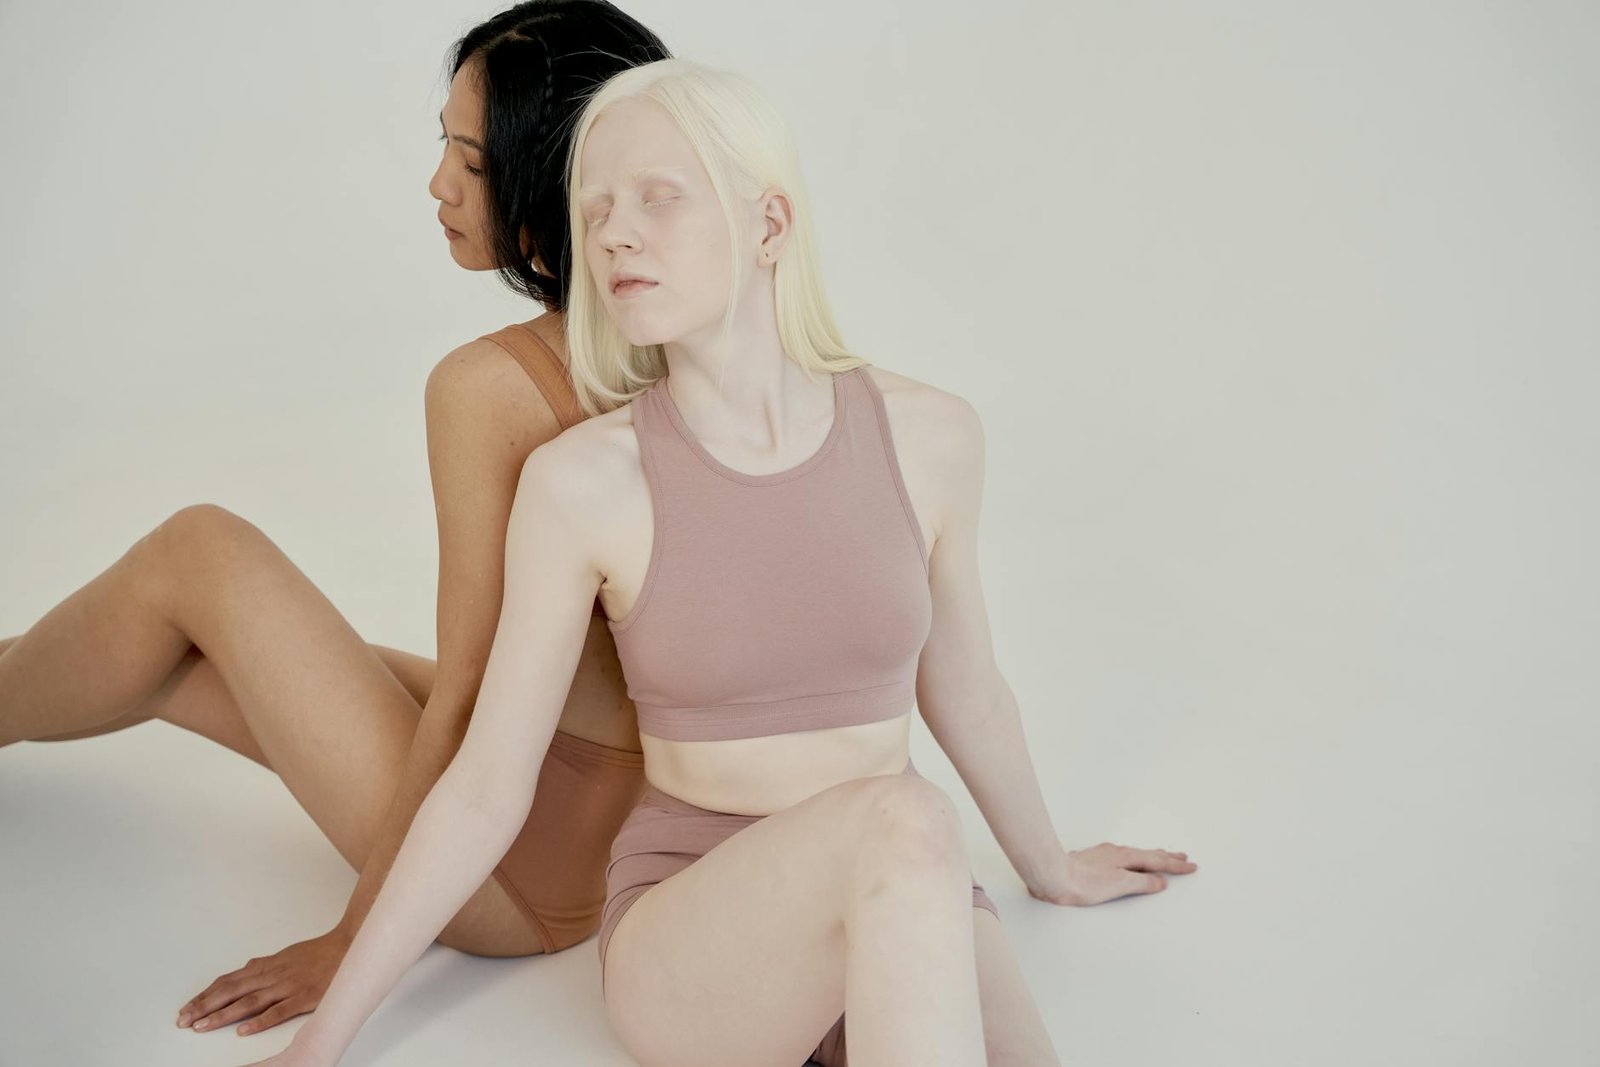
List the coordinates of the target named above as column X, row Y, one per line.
column 477, row 362
column 479, row 388
column 938, row 444
column 592, row 468
column 932, row 427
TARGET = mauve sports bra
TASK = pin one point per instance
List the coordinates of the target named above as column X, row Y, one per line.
column 773, row 603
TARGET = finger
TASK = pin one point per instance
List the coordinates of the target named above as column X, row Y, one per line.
column 1147, row 883
column 274, row 1015
column 242, row 1008
column 1155, row 860
column 222, row 989
column 192, row 1008
column 219, row 996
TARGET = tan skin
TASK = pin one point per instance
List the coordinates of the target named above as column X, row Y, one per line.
column 360, row 732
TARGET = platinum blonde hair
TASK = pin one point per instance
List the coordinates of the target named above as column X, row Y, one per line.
column 746, row 148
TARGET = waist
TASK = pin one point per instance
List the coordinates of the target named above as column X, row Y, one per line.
column 760, row 775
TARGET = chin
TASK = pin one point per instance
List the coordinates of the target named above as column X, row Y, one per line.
column 644, row 334
column 470, row 258
column 640, row 338
column 659, row 326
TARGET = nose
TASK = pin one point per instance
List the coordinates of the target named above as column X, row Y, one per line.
column 442, row 187
column 614, row 234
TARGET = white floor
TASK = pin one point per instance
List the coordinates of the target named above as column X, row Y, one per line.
column 1394, row 890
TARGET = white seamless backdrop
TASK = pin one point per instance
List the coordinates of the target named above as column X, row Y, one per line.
column 1282, row 320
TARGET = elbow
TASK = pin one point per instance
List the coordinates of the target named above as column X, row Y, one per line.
column 492, row 788
column 496, row 809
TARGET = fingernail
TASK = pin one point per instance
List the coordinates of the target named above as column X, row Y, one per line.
column 201, row 1025
column 183, row 1020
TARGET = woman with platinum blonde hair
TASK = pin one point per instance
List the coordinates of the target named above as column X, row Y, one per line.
column 784, row 539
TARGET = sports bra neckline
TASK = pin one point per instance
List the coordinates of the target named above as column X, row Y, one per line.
column 675, row 417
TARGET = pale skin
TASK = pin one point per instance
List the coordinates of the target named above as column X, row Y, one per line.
column 925, row 979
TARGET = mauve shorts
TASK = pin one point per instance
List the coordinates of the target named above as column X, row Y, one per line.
column 660, row 837
column 555, row 869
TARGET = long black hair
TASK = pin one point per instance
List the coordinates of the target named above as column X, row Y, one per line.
column 538, row 62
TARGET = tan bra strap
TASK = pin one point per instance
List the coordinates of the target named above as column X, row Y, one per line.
column 544, row 367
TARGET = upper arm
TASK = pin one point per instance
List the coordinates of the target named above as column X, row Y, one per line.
column 551, row 577
column 484, row 418
column 956, row 669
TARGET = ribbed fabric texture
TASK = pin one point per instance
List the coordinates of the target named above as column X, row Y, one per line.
column 796, row 600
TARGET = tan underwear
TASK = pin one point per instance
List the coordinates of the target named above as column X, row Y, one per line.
column 555, row 869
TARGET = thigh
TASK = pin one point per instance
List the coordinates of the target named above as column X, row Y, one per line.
column 277, row 674
column 739, row 958
column 195, row 697
column 323, row 708
column 348, row 804
column 410, row 670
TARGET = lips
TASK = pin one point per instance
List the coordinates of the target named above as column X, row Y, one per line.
column 622, row 278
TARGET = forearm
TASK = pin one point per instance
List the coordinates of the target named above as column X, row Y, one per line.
column 437, row 739
column 985, row 743
column 454, row 841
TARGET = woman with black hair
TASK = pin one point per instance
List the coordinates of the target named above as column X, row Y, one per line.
column 360, row 733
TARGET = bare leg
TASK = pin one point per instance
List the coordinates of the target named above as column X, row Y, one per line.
column 195, row 697
column 857, row 899
column 1014, row 1033
column 206, row 604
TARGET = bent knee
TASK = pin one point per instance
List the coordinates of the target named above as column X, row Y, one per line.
column 189, row 537
column 188, row 541
column 906, row 818
column 203, row 527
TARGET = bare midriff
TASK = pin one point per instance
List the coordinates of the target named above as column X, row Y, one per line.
column 763, row 775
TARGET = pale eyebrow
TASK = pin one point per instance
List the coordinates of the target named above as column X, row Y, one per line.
column 595, row 192
column 469, row 142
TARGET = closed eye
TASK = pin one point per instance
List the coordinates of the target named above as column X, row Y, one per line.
column 598, row 219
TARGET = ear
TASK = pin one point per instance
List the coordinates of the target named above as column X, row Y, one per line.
column 525, row 242
column 777, row 216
